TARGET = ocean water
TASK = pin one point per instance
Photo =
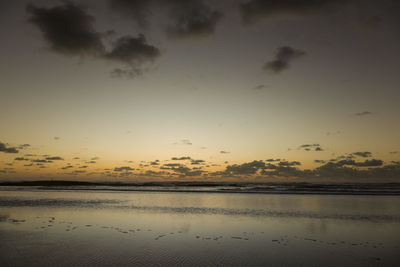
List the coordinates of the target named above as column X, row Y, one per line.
column 119, row 228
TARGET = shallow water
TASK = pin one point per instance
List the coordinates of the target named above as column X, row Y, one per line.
column 94, row 228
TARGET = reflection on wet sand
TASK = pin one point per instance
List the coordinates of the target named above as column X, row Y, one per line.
column 102, row 229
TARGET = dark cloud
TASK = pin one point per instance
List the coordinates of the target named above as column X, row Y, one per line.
column 283, row 58
column 289, row 163
column 319, row 161
column 370, row 163
column 181, row 169
column 245, row 168
column 134, row 53
column 181, row 158
column 137, row 10
column 341, row 169
column 351, row 162
column 21, row 159
column 364, row 113
column 224, row 152
column 272, row 160
column 365, row 154
column 41, row 161
column 24, row 146
column 309, row 147
column 54, row 158
column 332, row 170
column 123, row 168
column 192, row 18
column 67, row 167
column 67, row 28
column 56, row 138
column 7, row 149
column 260, row 87
column 186, row 18
column 172, row 165
column 154, row 173
column 254, row 10
column 197, row 161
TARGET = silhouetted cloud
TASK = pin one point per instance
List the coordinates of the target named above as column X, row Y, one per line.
column 283, row 57
column 172, row 165
column 23, row 146
column 67, row 167
column 289, row 163
column 364, row 113
column 197, row 161
column 123, row 168
column 253, row 10
column 351, row 162
column 370, row 163
column 67, row 28
column 341, row 169
column 134, row 53
column 192, row 18
column 186, row 18
column 309, row 147
column 181, row 158
column 224, row 152
column 319, row 161
column 245, row 168
column 7, row 149
column 54, row 158
column 21, row 159
column 365, row 154
column 272, row 160
column 137, row 10
column 181, row 169
column 41, row 161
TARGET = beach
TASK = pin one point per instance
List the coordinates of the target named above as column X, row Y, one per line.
column 107, row 228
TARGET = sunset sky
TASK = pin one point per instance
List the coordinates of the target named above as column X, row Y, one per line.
column 247, row 90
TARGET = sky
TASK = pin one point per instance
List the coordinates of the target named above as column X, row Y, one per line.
column 196, row 90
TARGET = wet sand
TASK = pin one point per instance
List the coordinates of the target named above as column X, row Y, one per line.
column 42, row 228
